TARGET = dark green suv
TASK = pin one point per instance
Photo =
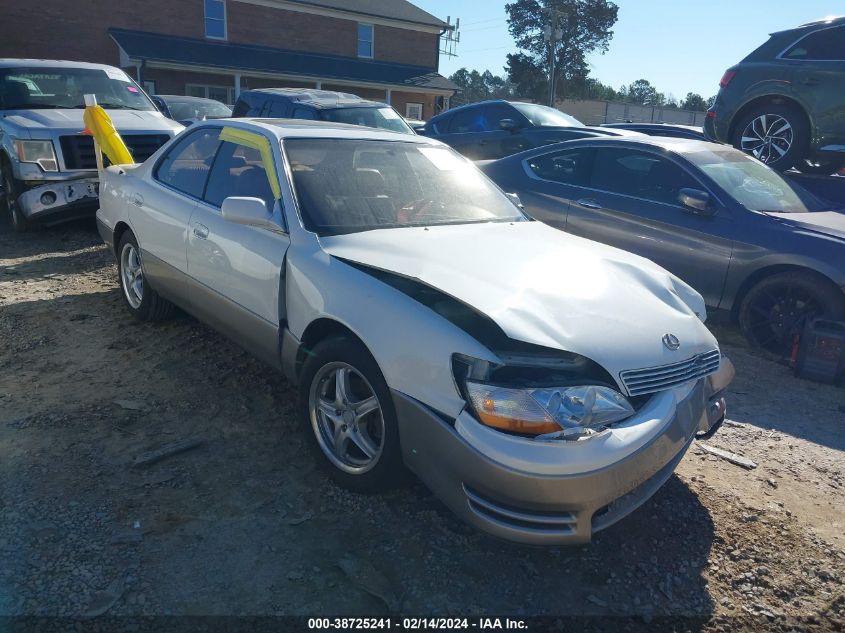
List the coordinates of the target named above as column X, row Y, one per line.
column 785, row 102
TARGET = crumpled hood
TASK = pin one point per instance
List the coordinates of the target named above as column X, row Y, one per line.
column 829, row 222
column 70, row 121
column 546, row 287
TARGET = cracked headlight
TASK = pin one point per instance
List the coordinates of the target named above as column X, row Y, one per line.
column 39, row 152
column 548, row 412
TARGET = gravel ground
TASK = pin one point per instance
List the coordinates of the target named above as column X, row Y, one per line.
column 245, row 524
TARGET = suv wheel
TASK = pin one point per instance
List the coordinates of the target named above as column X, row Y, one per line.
column 346, row 403
column 776, row 309
column 10, row 200
column 777, row 135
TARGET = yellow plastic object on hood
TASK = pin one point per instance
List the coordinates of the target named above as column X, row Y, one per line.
column 262, row 145
column 99, row 124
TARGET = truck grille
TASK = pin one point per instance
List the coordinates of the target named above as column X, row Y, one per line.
column 653, row 379
column 78, row 150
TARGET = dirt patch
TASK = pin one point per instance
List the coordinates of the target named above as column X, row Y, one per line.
column 244, row 523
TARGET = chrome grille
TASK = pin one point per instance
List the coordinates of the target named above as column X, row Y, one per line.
column 652, row 379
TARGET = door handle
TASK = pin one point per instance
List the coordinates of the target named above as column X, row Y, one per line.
column 137, row 199
column 201, row 231
column 590, row 204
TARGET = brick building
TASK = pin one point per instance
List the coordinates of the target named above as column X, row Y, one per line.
column 385, row 50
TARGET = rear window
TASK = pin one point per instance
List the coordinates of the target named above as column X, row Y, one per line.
column 384, row 118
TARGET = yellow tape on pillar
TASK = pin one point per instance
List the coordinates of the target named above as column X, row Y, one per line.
column 99, row 124
column 260, row 143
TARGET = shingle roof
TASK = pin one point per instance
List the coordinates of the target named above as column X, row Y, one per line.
column 392, row 9
column 155, row 47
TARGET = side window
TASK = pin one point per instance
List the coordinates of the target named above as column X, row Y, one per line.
column 277, row 109
column 570, row 167
column 185, row 167
column 495, row 113
column 304, row 113
column 469, row 120
column 238, row 171
column 824, row 45
column 639, row 174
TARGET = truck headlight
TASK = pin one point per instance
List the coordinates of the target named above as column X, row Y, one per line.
column 548, row 412
column 39, row 152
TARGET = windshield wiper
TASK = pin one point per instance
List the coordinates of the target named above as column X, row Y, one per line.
column 35, row 106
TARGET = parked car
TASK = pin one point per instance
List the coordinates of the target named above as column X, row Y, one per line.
column 190, row 110
column 542, row 396
column 784, row 103
column 47, row 164
column 764, row 250
column 319, row 105
column 673, row 130
column 489, row 130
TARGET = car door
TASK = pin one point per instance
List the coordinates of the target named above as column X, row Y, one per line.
column 466, row 132
column 498, row 139
column 818, row 62
column 161, row 209
column 632, row 202
column 235, row 270
column 549, row 182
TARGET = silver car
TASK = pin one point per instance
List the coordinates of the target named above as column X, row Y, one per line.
column 542, row 385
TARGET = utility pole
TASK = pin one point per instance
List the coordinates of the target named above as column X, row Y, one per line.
column 552, row 34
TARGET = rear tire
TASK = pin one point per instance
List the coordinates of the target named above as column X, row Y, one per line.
column 140, row 299
column 9, row 206
column 777, row 307
column 353, row 428
column 776, row 134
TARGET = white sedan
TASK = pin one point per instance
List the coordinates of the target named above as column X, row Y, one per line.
column 542, row 385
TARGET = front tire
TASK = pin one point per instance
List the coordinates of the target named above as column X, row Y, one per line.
column 346, row 405
column 776, row 309
column 140, row 299
column 10, row 206
column 776, row 134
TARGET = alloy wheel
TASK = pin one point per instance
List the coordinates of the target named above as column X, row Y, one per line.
column 346, row 418
column 767, row 137
column 780, row 313
column 132, row 275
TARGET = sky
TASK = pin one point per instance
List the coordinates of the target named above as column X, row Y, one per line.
column 680, row 46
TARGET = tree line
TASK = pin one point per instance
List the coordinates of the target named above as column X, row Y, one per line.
column 569, row 30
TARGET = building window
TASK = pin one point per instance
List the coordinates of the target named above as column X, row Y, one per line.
column 223, row 94
column 365, row 40
column 150, row 86
column 413, row 111
column 215, row 19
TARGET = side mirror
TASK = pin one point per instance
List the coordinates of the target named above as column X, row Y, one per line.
column 513, row 197
column 248, row 211
column 509, row 125
column 696, row 200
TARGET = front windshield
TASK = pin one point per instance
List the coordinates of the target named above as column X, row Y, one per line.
column 752, row 184
column 41, row 87
column 385, row 118
column 351, row 185
column 544, row 116
column 184, row 109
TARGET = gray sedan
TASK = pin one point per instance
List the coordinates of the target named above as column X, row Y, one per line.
column 762, row 250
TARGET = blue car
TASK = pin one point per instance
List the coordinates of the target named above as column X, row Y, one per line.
column 756, row 246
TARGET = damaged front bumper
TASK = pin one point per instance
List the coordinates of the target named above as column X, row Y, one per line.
column 50, row 202
column 558, row 492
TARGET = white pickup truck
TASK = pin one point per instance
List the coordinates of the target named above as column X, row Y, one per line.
column 47, row 163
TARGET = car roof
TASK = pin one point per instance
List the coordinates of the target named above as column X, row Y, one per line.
column 657, row 125
column 9, row 62
column 304, row 128
column 667, row 143
column 185, row 98
column 318, row 98
column 833, row 20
